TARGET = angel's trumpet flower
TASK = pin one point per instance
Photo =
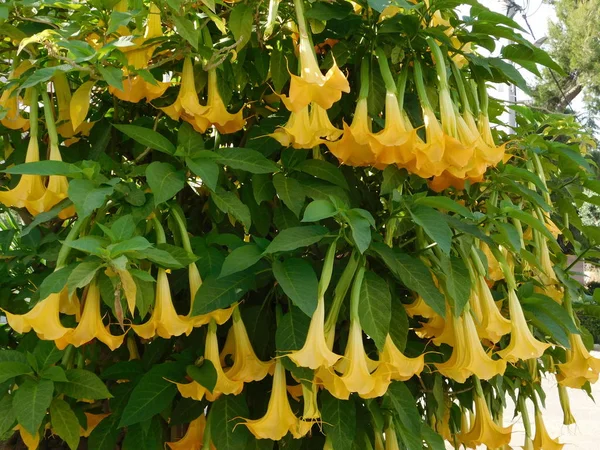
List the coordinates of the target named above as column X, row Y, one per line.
column 547, row 276
column 279, row 418
column 10, row 102
column 31, row 441
column 441, row 330
column 43, row 319
column 224, row 385
column 522, row 343
column 494, row 271
column 164, row 321
column 565, row 404
column 312, row 86
column 395, row 143
column 58, row 186
column 580, row 366
column 542, row 440
column 135, row 88
column 220, row 316
column 63, row 99
column 69, row 304
column 490, row 324
column 187, row 105
column 311, row 413
column 401, row 367
column 297, row 132
column 217, row 113
column 90, row 326
column 483, row 125
column 194, row 436
column 246, row 365
column 420, row 308
column 29, row 187
column 468, row 357
column 484, row 431
column 391, row 440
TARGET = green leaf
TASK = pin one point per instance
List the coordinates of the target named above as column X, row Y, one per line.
column 399, row 325
column 290, row 192
column 296, row 237
column 46, row 216
column 135, row 244
column 216, row 293
column 124, row 370
column 375, row 308
column 414, row 274
column 7, row 414
column 112, row 75
column 84, row 384
column 87, row 197
column 550, row 317
column 161, row 257
column 30, row 403
column 54, row 373
column 207, row 170
column 361, row 229
column 186, row 30
column 123, row 228
column 164, row 181
column 89, row 244
column 240, row 259
column 444, row 203
column 11, row 369
column 532, row 221
column 262, row 188
column 339, row 421
column 189, row 139
column 205, row 375
column 82, row 275
column 225, row 416
column 292, row 330
column 55, row 282
column 319, row 210
column 45, row 168
column 185, row 411
column 229, row 203
column 105, row 435
column 407, row 413
column 279, row 69
column 434, row 225
column 147, row 137
column 152, row 394
column 42, row 75
column 65, row 423
column 299, row 282
column 246, row 159
column 240, row 23
column 458, row 283
column 324, row 171
column 526, row 54
column 46, row 353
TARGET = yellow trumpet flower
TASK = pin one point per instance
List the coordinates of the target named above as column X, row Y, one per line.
column 31, row 441
column 306, row 129
column 391, row 439
column 69, row 304
column 355, row 147
column 90, row 325
column 484, row 431
column 565, row 404
column 490, row 324
column 312, row 86
column 494, row 271
column 187, row 105
column 580, row 366
column 311, row 413
column 402, row 368
column 43, row 318
column 92, row 422
column 217, row 113
column 13, row 119
column 468, row 357
column 63, row 99
column 220, row 316
column 224, row 385
column 420, row 308
column 522, row 343
column 279, row 418
column 542, row 440
column 194, row 436
column 246, row 365
column 315, row 352
column 164, row 321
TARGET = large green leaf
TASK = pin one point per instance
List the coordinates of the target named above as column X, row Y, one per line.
column 207, row 170
column 375, row 308
column 323, row 170
column 147, row 137
column 30, row 403
column 164, row 181
column 339, row 421
column 458, row 282
column 87, row 197
column 241, row 259
column 11, row 369
column 292, row 330
column 65, row 423
column 299, row 282
column 408, row 417
column 229, row 203
column 7, row 414
column 246, row 159
column 296, row 237
column 216, row 293
column 434, row 225
column 84, row 384
column 225, row 416
column 290, row 191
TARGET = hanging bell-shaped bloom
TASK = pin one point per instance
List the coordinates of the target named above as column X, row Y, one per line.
column 11, row 103
column 194, row 436
column 484, row 431
column 522, row 343
column 220, row 316
column 547, row 275
column 187, row 106
column 279, row 418
column 312, row 86
column 297, row 132
column 217, row 113
column 468, row 356
column 246, row 365
column 311, row 413
column 494, row 271
column 402, row 367
column 542, row 440
column 315, row 353
column 64, row 125
column 580, row 366
column 355, row 147
column 164, row 321
column 90, row 326
column 490, row 324
column 43, row 318
column 69, row 304
column 565, row 404
column 93, row 420
column 391, row 440
column 224, row 385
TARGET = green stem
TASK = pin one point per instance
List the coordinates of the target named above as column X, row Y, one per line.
column 327, row 270
column 364, row 79
column 271, row 18
column 161, row 238
column 341, row 290
column 476, row 260
column 525, row 416
column 179, row 218
column 299, row 6
column 483, row 98
column 355, row 293
column 508, row 274
column 461, row 87
column 384, row 68
column 478, row 387
column 440, row 64
column 401, row 85
column 33, row 113
column 473, row 91
column 66, row 249
column 206, row 37
column 49, row 116
column 420, row 85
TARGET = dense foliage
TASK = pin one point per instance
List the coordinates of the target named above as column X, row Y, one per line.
column 284, row 225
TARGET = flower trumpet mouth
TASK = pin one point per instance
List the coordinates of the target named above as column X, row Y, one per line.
column 580, row 366
column 484, row 431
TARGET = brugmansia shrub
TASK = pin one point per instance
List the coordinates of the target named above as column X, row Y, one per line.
column 282, row 225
